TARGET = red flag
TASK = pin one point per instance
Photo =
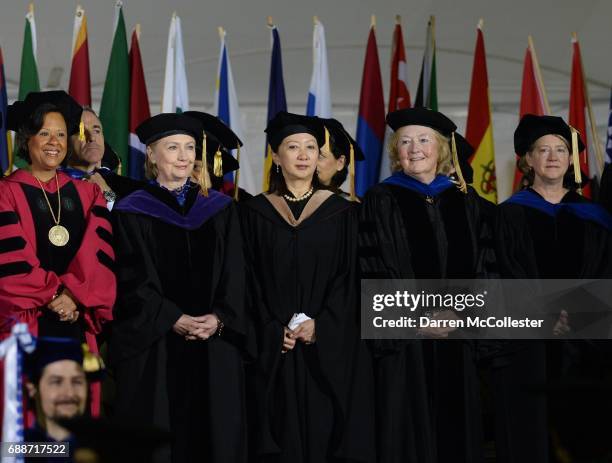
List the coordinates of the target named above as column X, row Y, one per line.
column 533, row 96
column 139, row 108
column 399, row 96
column 80, row 83
column 577, row 108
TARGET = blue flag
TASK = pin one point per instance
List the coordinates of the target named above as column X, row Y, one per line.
column 276, row 95
column 609, row 139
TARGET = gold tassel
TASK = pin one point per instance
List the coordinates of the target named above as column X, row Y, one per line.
column 218, row 164
column 92, row 363
column 202, row 177
column 462, row 184
column 576, row 160
column 326, row 145
column 236, row 190
column 81, row 131
column 352, row 172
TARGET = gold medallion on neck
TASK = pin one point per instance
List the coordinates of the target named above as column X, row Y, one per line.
column 59, row 236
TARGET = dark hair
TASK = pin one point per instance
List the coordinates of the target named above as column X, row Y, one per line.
column 32, row 125
column 340, row 176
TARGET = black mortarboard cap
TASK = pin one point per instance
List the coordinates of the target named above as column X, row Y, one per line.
column 166, row 124
column 284, row 124
column 20, row 111
column 219, row 138
column 532, row 127
column 343, row 140
column 421, row 116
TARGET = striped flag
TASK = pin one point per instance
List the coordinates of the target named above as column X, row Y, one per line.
column 371, row 118
column 28, row 76
column 533, row 96
column 227, row 109
column 399, row 96
column 609, row 139
column 79, row 87
column 427, row 92
column 115, row 105
column 319, row 93
column 139, row 108
column 276, row 94
column 479, row 126
column 6, row 162
column 175, row 98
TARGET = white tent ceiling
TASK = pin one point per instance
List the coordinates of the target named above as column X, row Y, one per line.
column 506, row 27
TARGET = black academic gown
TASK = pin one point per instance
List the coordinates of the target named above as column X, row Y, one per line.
column 428, row 407
column 195, row 389
column 533, row 244
column 314, row 403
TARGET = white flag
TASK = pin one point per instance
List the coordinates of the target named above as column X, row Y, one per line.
column 176, row 95
column 319, row 94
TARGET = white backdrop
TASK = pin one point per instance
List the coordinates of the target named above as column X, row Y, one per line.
column 506, row 26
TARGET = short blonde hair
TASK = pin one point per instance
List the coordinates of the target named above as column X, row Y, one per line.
column 445, row 162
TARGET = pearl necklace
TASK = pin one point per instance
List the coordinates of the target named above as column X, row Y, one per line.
column 306, row 195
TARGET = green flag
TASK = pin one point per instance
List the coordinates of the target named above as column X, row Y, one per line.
column 115, row 106
column 28, row 76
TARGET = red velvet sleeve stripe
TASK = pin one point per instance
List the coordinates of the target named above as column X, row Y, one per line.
column 90, row 280
column 24, row 285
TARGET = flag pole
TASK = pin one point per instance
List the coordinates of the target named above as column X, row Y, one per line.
column 398, row 19
column 538, row 73
column 270, row 22
column 137, row 30
column 598, row 147
column 373, row 22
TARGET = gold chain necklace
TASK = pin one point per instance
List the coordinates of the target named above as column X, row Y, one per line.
column 58, row 235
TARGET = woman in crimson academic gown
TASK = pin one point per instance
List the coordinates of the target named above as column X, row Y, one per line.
column 313, row 400
column 180, row 332
column 547, row 230
column 56, row 254
column 419, row 223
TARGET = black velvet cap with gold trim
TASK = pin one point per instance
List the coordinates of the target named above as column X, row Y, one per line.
column 421, row 116
column 166, row 124
column 343, row 140
column 20, row 111
column 285, row 124
column 220, row 139
column 532, row 127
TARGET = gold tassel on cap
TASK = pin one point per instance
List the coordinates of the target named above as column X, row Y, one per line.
column 236, row 177
column 218, row 164
column 326, row 145
column 576, row 160
column 81, row 131
column 92, row 363
column 203, row 171
column 462, row 184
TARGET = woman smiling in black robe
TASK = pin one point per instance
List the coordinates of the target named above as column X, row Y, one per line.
column 313, row 403
column 180, row 320
column 419, row 223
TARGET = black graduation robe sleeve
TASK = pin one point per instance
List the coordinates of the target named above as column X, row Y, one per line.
column 150, row 314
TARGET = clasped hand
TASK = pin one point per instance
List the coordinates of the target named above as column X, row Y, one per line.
column 64, row 306
column 196, row 328
column 305, row 332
